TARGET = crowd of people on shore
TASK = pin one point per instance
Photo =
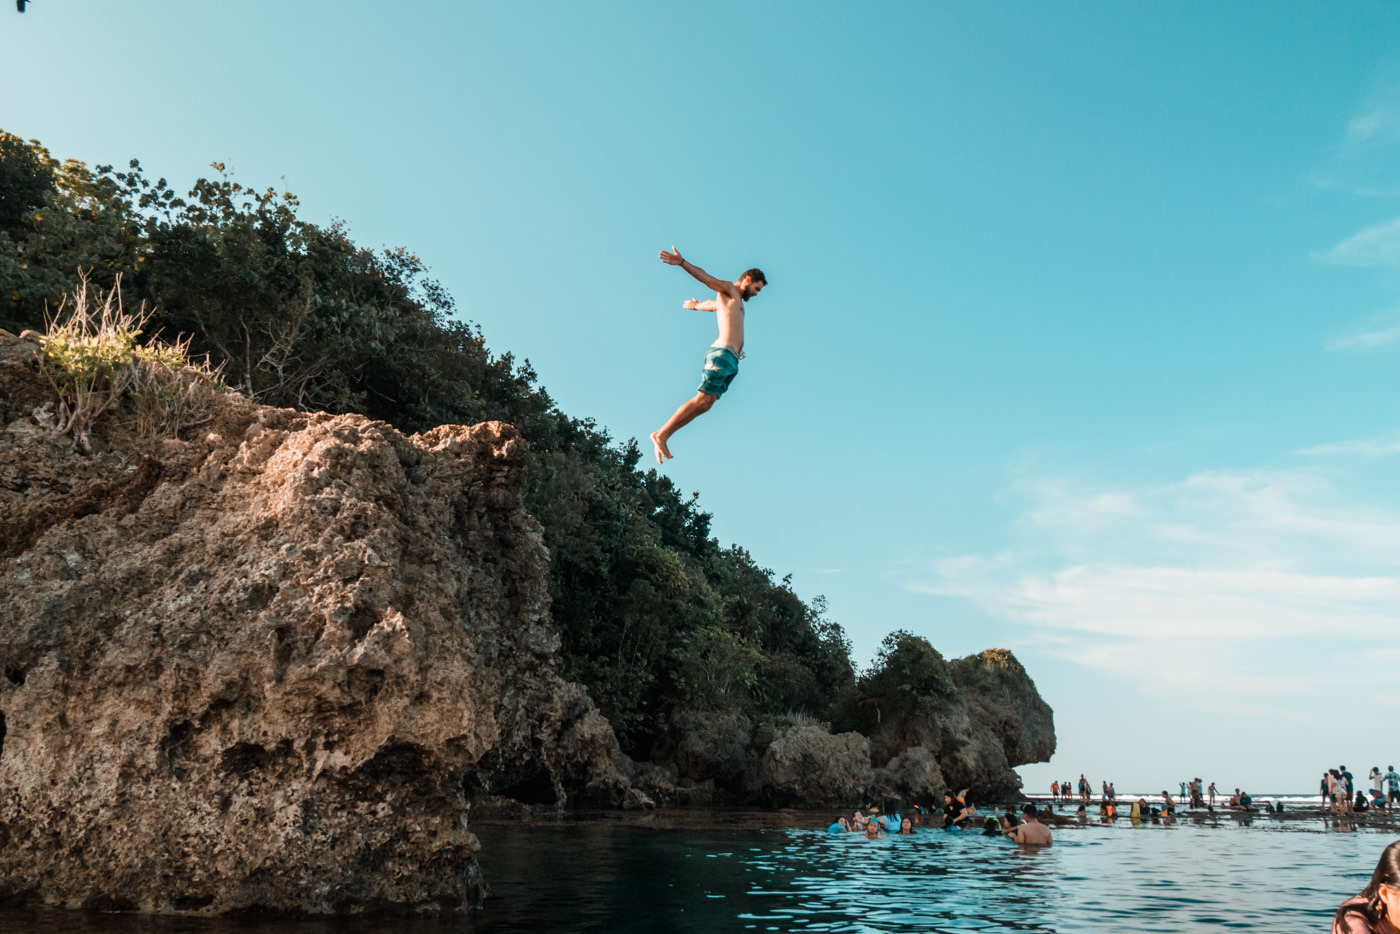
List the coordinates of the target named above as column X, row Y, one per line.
column 957, row 815
column 1193, row 795
column 1340, row 796
column 1338, row 791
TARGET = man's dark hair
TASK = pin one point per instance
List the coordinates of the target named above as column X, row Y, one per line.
column 755, row 274
column 1028, row 809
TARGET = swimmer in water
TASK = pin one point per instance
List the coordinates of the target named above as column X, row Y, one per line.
column 1031, row 832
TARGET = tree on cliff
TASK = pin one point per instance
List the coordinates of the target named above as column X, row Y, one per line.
column 907, row 674
column 653, row 613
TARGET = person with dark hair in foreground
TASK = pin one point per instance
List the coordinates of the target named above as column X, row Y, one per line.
column 1376, row 908
column 722, row 360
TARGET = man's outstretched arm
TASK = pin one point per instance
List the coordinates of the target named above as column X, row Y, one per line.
column 674, row 258
column 691, row 304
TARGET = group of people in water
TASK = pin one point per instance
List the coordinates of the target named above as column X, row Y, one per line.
column 958, row 814
column 1373, row 910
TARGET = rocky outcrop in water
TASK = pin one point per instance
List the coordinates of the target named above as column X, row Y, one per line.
column 267, row 666
column 992, row 721
column 989, row 720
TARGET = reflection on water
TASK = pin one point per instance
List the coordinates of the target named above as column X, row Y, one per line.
column 636, row 876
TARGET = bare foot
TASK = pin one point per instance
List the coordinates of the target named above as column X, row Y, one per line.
column 662, row 452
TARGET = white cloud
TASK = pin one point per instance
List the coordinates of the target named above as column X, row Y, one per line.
column 1365, row 340
column 1378, row 119
column 1363, row 160
column 1379, row 122
column 1374, row 246
column 1369, row 448
column 1376, row 331
column 1225, row 585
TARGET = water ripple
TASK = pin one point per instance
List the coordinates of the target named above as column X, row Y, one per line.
column 610, row 876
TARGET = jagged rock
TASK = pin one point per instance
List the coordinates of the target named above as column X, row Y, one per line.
column 272, row 663
column 714, row 746
column 992, row 721
column 913, row 775
column 806, row 765
column 1002, row 722
column 267, row 666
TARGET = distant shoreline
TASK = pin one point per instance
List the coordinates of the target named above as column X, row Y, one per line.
column 1295, row 807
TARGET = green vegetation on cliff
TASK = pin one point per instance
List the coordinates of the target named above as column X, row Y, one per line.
column 661, row 623
column 654, row 615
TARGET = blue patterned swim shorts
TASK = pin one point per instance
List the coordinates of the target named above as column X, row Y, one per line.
column 721, row 366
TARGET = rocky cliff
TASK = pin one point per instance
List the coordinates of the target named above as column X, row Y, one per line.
column 991, row 720
column 266, row 666
column 271, row 662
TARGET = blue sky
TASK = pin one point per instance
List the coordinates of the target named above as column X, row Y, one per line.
column 1083, row 329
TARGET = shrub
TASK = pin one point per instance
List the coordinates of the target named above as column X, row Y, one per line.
column 91, row 357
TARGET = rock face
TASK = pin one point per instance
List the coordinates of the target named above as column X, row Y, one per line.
column 996, row 720
column 270, row 664
column 808, row 765
column 268, row 668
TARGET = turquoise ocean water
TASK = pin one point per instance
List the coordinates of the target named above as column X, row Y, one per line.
column 742, row 871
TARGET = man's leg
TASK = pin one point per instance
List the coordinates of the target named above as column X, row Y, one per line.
column 684, row 415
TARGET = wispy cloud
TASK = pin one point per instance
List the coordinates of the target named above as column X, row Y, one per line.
column 1362, row 162
column 1219, row 584
column 1381, row 446
column 1376, row 331
column 1366, row 339
column 1378, row 118
column 1374, row 246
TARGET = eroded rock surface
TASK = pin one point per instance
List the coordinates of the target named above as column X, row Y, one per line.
column 267, row 666
column 270, row 664
column 995, row 720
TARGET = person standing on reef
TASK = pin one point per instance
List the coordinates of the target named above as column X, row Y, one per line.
column 722, row 360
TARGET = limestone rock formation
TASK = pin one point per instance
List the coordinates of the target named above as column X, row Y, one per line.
column 270, row 664
column 267, row 665
column 806, row 765
column 993, row 721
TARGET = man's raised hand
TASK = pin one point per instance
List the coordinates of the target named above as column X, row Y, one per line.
column 690, row 304
column 672, row 258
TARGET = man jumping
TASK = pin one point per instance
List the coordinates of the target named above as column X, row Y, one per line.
column 722, row 361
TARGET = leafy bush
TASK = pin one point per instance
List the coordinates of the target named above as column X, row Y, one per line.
column 716, row 668
column 908, row 674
